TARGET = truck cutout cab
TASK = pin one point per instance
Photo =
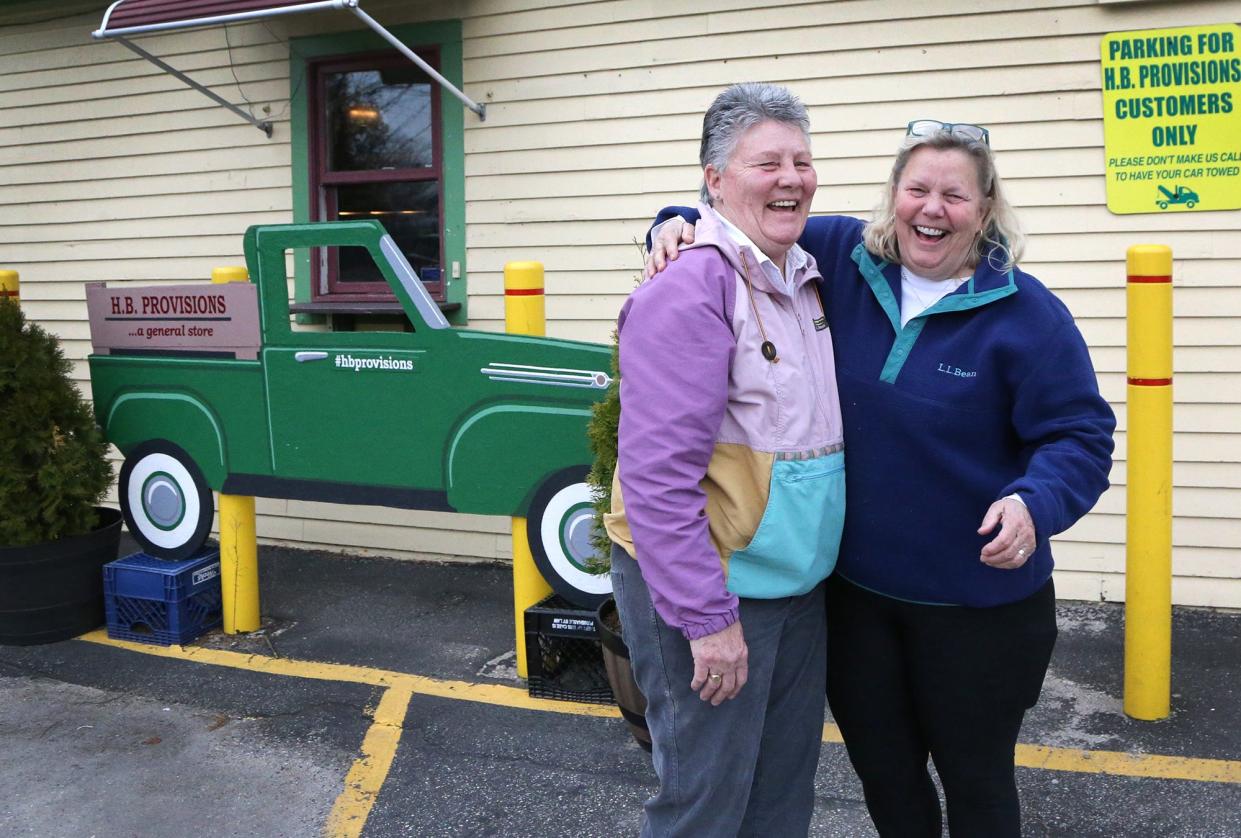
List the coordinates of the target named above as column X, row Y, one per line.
column 215, row 387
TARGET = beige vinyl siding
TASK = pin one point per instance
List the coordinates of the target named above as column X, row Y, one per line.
column 111, row 170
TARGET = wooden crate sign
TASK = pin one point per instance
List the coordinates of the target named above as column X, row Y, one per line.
column 218, row 319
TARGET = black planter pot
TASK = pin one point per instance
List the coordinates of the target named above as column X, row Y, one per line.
column 629, row 698
column 54, row 591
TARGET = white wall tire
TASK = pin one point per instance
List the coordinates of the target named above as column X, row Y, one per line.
column 167, row 504
column 558, row 529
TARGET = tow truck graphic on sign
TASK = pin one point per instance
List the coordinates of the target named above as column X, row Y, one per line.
column 1179, row 195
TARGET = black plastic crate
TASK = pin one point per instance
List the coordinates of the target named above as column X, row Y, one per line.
column 563, row 658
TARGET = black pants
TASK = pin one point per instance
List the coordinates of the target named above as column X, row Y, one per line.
column 906, row 681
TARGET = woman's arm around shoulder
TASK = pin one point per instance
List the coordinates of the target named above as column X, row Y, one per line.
column 830, row 237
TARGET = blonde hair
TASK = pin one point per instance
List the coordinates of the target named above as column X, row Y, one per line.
column 1000, row 230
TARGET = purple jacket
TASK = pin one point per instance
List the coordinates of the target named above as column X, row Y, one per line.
column 730, row 470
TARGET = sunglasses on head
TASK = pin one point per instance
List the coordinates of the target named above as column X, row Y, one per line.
column 964, row 130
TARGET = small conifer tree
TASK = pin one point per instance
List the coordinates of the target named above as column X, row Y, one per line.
column 53, row 460
column 602, row 431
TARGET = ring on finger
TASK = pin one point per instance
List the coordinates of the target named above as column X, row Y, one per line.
column 1021, row 552
column 714, row 677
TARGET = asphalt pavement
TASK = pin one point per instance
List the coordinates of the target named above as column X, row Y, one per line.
column 380, row 698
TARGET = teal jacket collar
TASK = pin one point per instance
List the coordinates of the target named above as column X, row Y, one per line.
column 987, row 285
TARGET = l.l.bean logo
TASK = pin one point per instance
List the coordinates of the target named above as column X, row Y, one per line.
column 957, row 372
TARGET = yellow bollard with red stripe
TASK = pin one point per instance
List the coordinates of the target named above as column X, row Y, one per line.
column 239, row 548
column 10, row 285
column 1148, row 518
column 524, row 314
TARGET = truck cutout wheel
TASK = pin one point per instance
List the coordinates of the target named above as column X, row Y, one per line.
column 167, row 504
column 558, row 528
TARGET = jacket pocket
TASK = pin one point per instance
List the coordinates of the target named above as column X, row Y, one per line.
column 798, row 538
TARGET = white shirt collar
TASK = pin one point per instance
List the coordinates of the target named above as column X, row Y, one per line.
column 919, row 293
column 794, row 260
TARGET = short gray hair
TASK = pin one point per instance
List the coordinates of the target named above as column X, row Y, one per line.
column 1000, row 229
column 738, row 109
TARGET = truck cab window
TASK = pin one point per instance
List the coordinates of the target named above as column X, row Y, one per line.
column 375, row 314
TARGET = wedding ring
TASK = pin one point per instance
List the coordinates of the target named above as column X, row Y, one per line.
column 1021, row 552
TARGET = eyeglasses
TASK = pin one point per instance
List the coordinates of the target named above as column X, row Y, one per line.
column 964, row 130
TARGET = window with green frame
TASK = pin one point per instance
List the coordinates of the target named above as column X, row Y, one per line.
column 408, row 173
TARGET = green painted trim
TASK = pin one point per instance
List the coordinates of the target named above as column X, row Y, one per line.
column 446, row 36
column 176, row 397
column 452, row 141
column 299, row 136
column 903, row 345
column 271, row 420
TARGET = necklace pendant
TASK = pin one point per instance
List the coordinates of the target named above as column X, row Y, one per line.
column 769, row 352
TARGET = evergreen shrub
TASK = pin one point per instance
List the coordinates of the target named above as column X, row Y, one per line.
column 53, row 459
column 601, row 431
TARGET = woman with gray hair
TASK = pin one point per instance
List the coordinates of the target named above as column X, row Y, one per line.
column 976, row 432
column 729, row 493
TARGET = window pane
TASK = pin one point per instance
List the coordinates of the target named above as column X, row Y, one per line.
column 411, row 214
column 379, row 119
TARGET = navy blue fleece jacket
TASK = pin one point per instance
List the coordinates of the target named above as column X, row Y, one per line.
column 990, row 391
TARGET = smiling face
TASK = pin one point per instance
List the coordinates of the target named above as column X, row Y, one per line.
column 766, row 188
column 939, row 207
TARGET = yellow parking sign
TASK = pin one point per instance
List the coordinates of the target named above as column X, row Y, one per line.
column 1172, row 119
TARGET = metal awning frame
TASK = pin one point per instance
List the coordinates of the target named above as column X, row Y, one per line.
column 122, row 36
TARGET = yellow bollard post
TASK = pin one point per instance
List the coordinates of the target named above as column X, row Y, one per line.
column 230, row 273
column 239, row 564
column 523, row 299
column 524, row 315
column 10, row 285
column 239, row 548
column 1148, row 517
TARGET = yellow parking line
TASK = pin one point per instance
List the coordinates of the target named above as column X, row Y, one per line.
column 1028, row 756
column 366, row 777
column 1129, row 765
column 1117, row 763
column 420, row 685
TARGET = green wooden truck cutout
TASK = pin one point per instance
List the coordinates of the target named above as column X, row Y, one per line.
column 208, row 387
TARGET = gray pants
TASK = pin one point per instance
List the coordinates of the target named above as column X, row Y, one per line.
column 745, row 767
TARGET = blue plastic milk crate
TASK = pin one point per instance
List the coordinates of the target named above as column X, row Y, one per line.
column 150, row 600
